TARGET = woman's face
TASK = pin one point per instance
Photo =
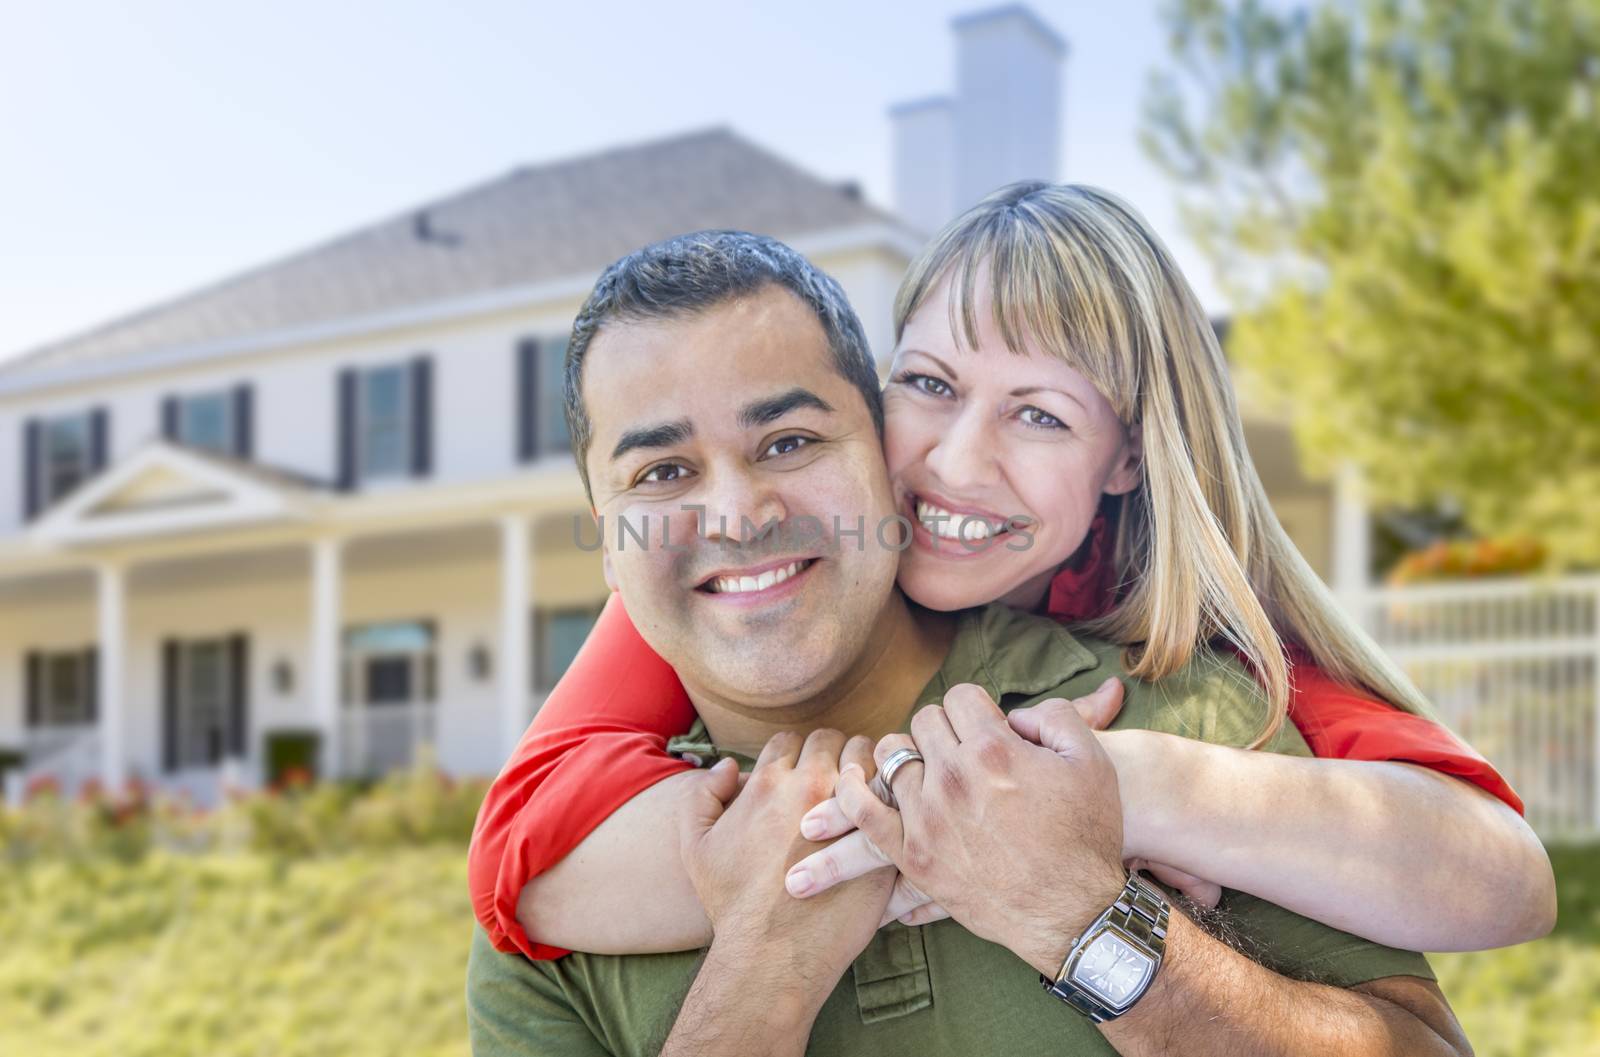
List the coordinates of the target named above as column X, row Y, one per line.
column 999, row 460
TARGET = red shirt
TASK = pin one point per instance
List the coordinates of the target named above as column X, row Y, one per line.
column 600, row 739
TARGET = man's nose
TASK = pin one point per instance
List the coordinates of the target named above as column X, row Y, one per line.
column 963, row 458
column 740, row 508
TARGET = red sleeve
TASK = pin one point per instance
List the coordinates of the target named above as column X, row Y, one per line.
column 1342, row 723
column 599, row 739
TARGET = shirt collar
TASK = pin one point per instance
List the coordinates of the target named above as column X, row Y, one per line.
column 1011, row 654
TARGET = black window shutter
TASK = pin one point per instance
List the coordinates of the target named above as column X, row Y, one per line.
column 35, row 687
column 430, row 664
column 345, row 428
column 239, row 696
column 244, row 426
column 99, row 438
column 527, row 399
column 91, row 683
column 30, row 469
column 169, row 705
column 421, row 416
column 169, row 417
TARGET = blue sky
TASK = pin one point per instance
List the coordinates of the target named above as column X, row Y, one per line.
column 156, row 146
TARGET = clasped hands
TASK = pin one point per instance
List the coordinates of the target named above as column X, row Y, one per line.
column 1011, row 824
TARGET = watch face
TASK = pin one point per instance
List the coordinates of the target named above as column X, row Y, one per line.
column 1112, row 970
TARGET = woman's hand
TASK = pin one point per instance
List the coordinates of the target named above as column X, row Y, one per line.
column 855, row 854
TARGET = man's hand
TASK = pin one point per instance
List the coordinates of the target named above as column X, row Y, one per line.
column 737, row 854
column 852, row 854
column 1022, row 844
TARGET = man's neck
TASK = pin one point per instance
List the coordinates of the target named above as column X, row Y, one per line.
column 906, row 648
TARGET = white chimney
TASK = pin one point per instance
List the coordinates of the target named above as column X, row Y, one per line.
column 1002, row 125
column 1008, row 101
column 924, row 161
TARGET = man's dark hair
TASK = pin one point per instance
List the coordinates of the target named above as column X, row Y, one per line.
column 691, row 273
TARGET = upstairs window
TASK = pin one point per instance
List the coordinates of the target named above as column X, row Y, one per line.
column 217, row 420
column 206, row 421
column 68, row 454
column 541, row 405
column 385, row 421
column 384, row 432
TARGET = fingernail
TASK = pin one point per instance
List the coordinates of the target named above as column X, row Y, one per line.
column 1108, row 682
column 811, row 828
column 798, row 882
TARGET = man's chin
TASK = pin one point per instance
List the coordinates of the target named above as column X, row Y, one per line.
column 773, row 676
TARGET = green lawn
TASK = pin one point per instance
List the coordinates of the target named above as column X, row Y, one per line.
column 222, row 954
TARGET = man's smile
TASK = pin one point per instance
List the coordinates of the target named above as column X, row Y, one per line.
column 758, row 584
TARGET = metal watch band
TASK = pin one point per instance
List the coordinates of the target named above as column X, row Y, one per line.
column 1140, row 912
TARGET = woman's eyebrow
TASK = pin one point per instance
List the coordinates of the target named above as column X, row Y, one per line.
column 945, row 367
column 1030, row 390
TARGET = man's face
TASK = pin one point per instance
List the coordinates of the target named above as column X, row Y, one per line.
column 737, row 411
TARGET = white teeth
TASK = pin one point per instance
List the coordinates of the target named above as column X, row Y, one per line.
column 945, row 525
column 734, row 585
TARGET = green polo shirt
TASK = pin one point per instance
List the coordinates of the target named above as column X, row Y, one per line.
column 936, row 989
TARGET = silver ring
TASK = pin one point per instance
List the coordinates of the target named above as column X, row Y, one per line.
column 883, row 784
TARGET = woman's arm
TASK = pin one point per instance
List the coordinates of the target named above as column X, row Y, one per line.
column 599, row 740
column 1392, row 852
column 623, row 889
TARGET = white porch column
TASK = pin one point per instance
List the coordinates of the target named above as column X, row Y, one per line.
column 112, row 639
column 516, row 572
column 326, row 621
column 1352, row 538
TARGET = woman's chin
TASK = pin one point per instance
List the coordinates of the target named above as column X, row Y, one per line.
column 945, row 593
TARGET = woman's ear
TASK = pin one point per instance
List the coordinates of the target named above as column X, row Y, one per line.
column 1128, row 470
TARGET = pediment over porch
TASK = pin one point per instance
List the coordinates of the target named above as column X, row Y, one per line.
column 165, row 488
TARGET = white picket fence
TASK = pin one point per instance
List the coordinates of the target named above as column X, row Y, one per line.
column 1513, row 666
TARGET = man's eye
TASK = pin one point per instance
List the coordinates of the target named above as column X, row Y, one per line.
column 926, row 383
column 664, row 472
column 784, row 446
column 1032, row 416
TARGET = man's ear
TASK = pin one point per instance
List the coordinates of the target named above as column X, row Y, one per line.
column 1129, row 468
column 607, row 571
column 605, row 552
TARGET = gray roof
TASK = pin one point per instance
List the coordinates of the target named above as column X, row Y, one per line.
column 559, row 220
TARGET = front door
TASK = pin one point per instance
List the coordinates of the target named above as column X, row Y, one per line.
column 389, row 693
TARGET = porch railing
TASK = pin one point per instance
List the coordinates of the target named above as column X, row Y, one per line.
column 376, row 739
column 68, row 755
column 1513, row 666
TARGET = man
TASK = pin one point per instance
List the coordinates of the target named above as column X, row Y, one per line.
column 795, row 647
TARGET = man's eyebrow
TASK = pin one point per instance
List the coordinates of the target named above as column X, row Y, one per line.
column 663, row 435
column 775, row 407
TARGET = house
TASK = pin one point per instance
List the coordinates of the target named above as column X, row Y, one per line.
column 325, row 511
column 329, row 505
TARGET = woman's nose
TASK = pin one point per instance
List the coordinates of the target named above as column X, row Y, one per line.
column 962, row 458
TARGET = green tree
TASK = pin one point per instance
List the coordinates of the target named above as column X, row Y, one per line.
column 1402, row 197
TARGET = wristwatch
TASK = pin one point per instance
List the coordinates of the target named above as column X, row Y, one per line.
column 1112, row 964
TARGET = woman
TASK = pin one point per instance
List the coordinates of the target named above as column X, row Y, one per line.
column 1055, row 380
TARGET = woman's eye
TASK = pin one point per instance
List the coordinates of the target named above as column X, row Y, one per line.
column 927, row 383
column 784, row 446
column 1032, row 416
column 663, row 473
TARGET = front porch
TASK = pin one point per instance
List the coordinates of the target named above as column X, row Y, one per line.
column 358, row 628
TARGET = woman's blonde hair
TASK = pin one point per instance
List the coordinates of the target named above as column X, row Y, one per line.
column 1200, row 553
